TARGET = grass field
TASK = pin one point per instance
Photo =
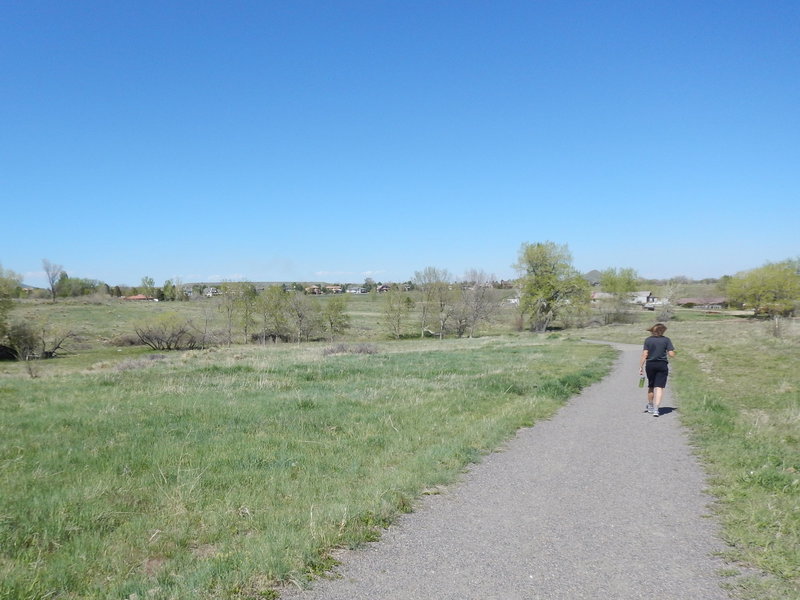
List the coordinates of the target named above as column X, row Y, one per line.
column 222, row 473
column 739, row 393
column 225, row 473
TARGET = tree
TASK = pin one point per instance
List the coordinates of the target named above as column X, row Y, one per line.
column 169, row 291
column 477, row 302
column 670, row 292
column 168, row 331
column 396, row 308
column 73, row 287
column 620, row 283
column 272, row 306
column 548, row 282
column 238, row 301
column 246, row 299
column 303, row 316
column 9, row 288
column 53, row 272
column 148, row 286
column 334, row 316
column 37, row 339
column 773, row 289
column 436, row 302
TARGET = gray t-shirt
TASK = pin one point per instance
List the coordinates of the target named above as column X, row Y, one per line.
column 657, row 347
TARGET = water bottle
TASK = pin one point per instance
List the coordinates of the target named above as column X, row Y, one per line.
column 641, row 381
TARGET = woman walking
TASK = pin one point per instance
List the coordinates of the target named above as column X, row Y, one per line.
column 658, row 349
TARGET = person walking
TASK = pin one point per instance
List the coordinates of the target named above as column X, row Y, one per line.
column 658, row 349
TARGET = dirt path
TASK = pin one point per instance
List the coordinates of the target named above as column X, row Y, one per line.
column 602, row 501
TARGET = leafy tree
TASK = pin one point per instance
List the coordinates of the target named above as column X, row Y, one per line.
column 549, row 283
column 53, row 272
column 272, row 306
column 246, row 300
column 22, row 339
column 620, row 283
column 303, row 316
column 773, row 289
column 10, row 283
column 334, row 316
column 169, row 291
column 238, row 302
column 148, row 286
column 73, row 287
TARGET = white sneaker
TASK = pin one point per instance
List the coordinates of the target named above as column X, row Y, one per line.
column 649, row 408
column 655, row 411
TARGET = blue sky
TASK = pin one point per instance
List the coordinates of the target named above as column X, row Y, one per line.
column 338, row 140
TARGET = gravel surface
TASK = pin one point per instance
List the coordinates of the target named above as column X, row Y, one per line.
column 602, row 501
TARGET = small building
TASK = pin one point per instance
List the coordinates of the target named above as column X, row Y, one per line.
column 140, row 297
column 709, row 303
column 642, row 297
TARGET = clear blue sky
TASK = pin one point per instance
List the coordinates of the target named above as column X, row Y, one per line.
column 338, row 140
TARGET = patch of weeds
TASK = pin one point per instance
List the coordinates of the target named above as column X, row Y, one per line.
column 227, row 369
column 132, row 364
column 350, row 349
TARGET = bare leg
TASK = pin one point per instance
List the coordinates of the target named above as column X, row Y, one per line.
column 658, row 394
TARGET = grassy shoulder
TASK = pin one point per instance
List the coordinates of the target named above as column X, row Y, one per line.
column 223, row 473
column 739, row 392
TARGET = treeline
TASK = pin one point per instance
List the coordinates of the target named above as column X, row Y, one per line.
column 548, row 291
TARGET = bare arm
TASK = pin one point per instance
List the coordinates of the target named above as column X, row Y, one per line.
column 642, row 360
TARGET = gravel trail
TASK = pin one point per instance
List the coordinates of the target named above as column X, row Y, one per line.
column 602, row 501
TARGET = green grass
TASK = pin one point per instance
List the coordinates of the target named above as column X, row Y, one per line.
column 225, row 473
column 100, row 322
column 739, row 392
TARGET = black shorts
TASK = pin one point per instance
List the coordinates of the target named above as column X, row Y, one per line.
column 657, row 371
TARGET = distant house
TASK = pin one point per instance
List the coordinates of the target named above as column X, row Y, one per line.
column 383, row 288
column 710, row 303
column 598, row 296
column 354, row 289
column 642, row 297
column 313, row 289
column 210, row 291
column 334, row 289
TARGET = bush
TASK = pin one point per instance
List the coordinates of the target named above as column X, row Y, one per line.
column 350, row 349
column 168, row 332
column 23, row 340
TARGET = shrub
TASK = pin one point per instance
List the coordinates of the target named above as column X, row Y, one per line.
column 350, row 349
column 23, row 340
column 168, row 332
